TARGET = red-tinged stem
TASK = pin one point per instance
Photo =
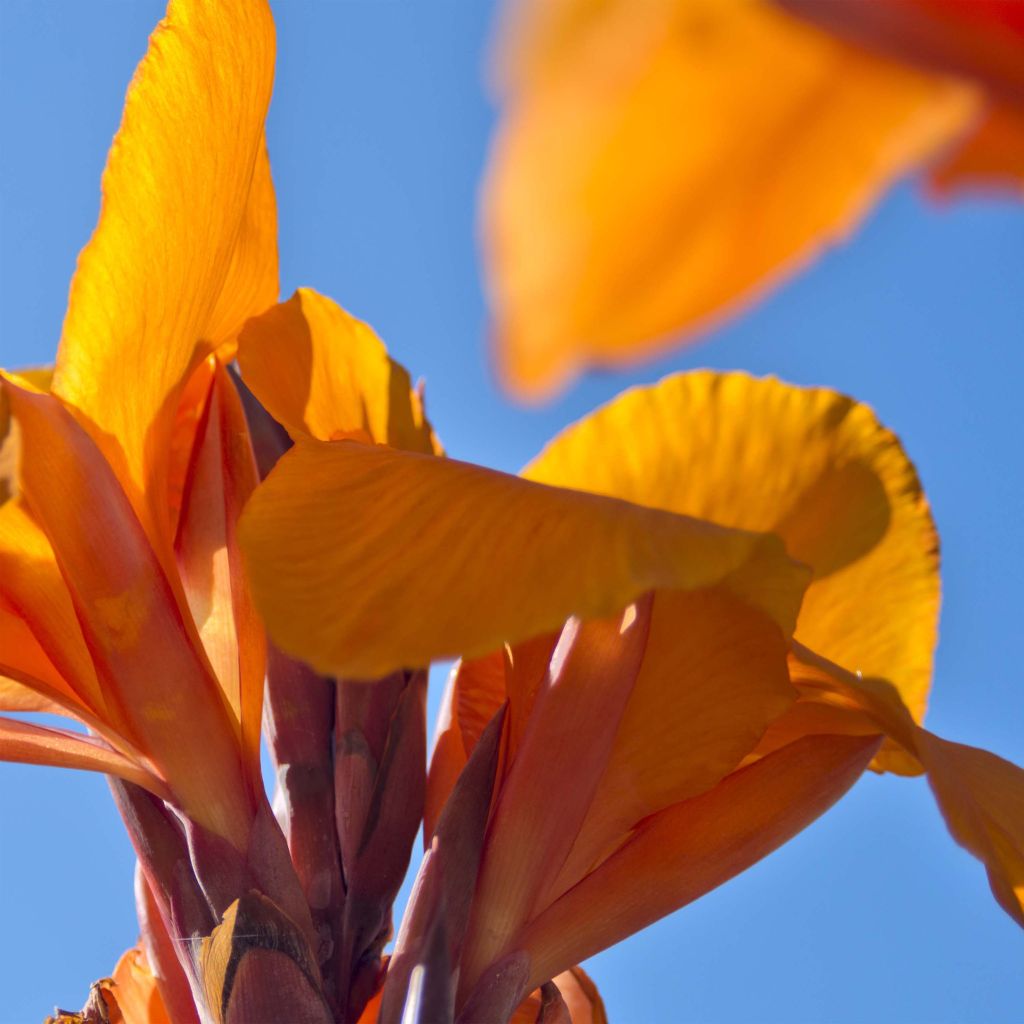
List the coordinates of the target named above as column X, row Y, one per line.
column 299, row 722
column 380, row 755
column 162, row 956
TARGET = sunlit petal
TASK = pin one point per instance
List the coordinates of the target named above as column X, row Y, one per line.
column 809, row 464
column 323, row 373
column 608, row 233
column 185, row 214
column 364, row 559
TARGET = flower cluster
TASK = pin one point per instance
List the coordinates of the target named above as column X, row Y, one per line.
column 683, row 631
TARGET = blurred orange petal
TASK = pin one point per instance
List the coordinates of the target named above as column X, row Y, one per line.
column 661, row 164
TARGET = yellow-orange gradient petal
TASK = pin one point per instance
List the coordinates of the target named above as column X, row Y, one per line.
column 981, row 796
column 39, row 744
column 660, row 163
column 683, row 852
column 321, row 372
column 221, row 479
column 180, row 222
column 714, row 676
column 145, row 649
column 365, row 559
column 809, row 464
column 10, row 442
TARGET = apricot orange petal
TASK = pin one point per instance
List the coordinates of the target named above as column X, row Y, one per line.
column 809, row 464
column 221, row 479
column 662, row 163
column 185, row 246
column 713, row 677
column 981, row 796
column 148, row 658
column 690, row 848
column 322, row 373
column 365, row 559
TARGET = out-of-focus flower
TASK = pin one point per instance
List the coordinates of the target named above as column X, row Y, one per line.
column 592, row 777
column 661, row 163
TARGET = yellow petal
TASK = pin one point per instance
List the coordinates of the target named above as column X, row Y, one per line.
column 181, row 223
column 323, row 373
column 10, row 439
column 809, row 464
column 661, row 163
column 42, row 634
column 367, row 559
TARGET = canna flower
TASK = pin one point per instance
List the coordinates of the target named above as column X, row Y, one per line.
column 124, row 605
column 660, row 164
column 687, row 629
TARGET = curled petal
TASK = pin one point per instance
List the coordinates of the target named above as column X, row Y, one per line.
column 323, row 373
column 366, row 559
column 808, row 464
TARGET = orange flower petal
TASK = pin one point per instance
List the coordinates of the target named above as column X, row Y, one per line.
column 808, row 464
column 146, row 651
column 559, row 764
column 990, row 158
column 28, row 743
column 135, row 990
column 981, row 796
column 181, row 223
column 223, row 476
column 979, row 39
column 606, row 234
column 323, row 373
column 690, row 848
column 42, row 634
column 366, row 559
column 714, row 676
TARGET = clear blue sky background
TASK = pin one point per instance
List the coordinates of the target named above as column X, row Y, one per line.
column 378, row 132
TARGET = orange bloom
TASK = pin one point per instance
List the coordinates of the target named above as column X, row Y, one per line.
column 591, row 777
column 661, row 163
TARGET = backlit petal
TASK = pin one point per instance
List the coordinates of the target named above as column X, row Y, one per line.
column 38, row 744
column 223, row 475
column 690, row 848
column 365, row 559
column 181, row 220
column 323, row 373
column 661, row 163
column 146, row 652
column 980, row 795
column 809, row 464
column 714, row 676
column 136, row 992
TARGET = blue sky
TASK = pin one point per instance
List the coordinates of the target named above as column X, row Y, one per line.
column 378, row 133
